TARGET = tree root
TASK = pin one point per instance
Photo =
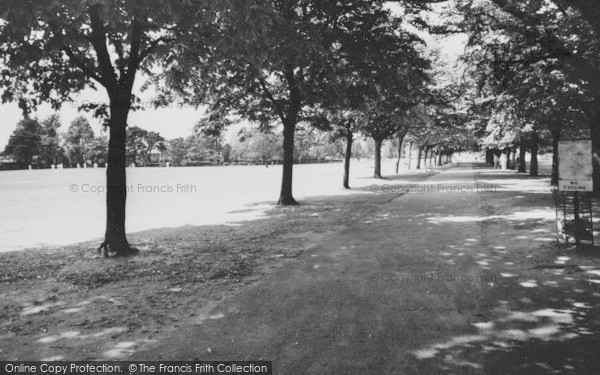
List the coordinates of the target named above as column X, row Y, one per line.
column 123, row 251
column 287, row 201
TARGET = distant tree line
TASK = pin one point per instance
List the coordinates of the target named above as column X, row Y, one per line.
column 40, row 144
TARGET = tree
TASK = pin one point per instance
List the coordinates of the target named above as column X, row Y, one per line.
column 98, row 150
column 136, row 142
column 177, row 150
column 141, row 143
column 401, row 136
column 280, row 74
column 374, row 59
column 227, row 153
column 256, row 145
column 25, row 142
column 525, row 44
column 153, row 141
column 535, row 95
column 403, row 86
column 78, row 138
column 211, row 128
column 51, row 50
column 344, row 124
column 263, row 146
column 277, row 81
column 50, row 150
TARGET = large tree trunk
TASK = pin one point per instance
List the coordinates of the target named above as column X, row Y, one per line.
column 400, row 140
column 349, row 140
column 426, row 156
column 377, row 158
column 419, row 155
column 439, row 157
column 409, row 162
column 115, row 240
column 285, row 197
column 522, row 153
column 535, row 144
column 555, row 137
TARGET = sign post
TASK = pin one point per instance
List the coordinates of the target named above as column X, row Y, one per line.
column 575, row 165
column 575, row 176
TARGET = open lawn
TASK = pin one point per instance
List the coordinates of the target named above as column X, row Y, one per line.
column 42, row 207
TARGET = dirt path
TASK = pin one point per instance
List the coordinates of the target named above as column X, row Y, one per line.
column 460, row 278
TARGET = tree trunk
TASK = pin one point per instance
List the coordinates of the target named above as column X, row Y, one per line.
column 419, row 155
column 522, row 153
column 377, row 157
column 555, row 130
column 439, row 157
column 285, row 197
column 349, row 140
column 115, row 240
column 535, row 144
column 400, row 140
column 489, row 156
column 513, row 159
column 410, row 146
column 426, row 156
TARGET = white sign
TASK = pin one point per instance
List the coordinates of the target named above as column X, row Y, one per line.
column 575, row 165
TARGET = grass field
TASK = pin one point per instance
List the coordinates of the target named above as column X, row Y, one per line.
column 59, row 207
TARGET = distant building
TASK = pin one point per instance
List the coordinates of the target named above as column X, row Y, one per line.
column 155, row 157
column 146, row 160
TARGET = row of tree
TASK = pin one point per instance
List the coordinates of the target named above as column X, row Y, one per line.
column 533, row 75
column 345, row 67
column 41, row 144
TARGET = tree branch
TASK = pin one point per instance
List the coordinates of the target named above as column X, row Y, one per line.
column 151, row 47
column 276, row 104
column 294, row 96
column 86, row 66
column 98, row 40
column 81, row 64
column 134, row 53
column 120, row 53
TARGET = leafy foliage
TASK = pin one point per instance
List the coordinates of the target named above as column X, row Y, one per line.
column 25, row 142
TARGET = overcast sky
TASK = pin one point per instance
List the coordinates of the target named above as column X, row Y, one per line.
column 175, row 121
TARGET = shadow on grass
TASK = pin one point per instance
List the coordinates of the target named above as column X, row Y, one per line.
column 544, row 312
column 179, row 271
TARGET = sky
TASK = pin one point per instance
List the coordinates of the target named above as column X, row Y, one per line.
column 173, row 121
